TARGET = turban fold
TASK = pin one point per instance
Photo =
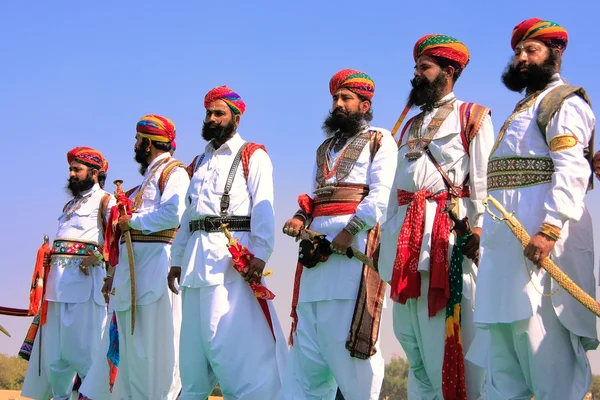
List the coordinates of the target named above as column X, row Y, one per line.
column 547, row 32
column 231, row 98
column 442, row 46
column 88, row 156
column 157, row 128
column 353, row 80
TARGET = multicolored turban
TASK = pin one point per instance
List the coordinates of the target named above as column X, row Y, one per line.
column 88, row 156
column 550, row 33
column 233, row 100
column 442, row 46
column 158, row 129
column 353, row 80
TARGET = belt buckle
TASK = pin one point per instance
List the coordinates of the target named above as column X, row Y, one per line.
column 209, row 224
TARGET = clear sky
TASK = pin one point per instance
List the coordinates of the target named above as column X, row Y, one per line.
column 81, row 73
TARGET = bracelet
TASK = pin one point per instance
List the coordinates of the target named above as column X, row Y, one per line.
column 98, row 255
column 301, row 215
column 354, row 226
column 107, row 277
column 552, row 231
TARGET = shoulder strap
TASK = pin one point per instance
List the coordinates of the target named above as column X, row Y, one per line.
column 67, row 205
column 167, row 172
column 229, row 183
column 190, row 169
column 102, row 211
column 471, row 118
column 375, row 143
column 449, row 184
column 196, row 163
column 131, row 191
column 247, row 152
column 404, row 129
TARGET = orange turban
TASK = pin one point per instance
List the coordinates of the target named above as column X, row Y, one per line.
column 88, row 156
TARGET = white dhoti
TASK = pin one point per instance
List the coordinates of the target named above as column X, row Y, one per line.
column 319, row 361
column 423, row 340
column 147, row 358
column 226, row 339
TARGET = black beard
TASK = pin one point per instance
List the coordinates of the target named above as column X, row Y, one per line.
column 427, row 93
column 347, row 123
column 537, row 77
column 141, row 156
column 76, row 187
column 219, row 133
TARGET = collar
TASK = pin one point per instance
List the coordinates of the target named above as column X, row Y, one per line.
column 447, row 99
column 157, row 159
column 232, row 145
column 89, row 191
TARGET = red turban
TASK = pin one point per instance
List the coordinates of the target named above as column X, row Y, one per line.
column 231, row 98
column 158, row 129
column 88, row 156
column 550, row 33
column 442, row 46
column 353, row 80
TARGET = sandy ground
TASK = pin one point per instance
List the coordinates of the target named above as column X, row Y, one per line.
column 14, row 395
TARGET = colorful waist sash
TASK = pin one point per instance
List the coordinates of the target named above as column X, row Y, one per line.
column 68, row 247
column 165, row 237
column 341, row 199
column 518, row 172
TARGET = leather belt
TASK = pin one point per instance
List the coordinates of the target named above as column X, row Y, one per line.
column 212, row 224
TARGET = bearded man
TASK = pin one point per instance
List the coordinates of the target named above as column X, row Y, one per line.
column 441, row 165
column 338, row 300
column 537, row 333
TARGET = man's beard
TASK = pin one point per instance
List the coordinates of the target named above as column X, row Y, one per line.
column 346, row 122
column 426, row 93
column 535, row 78
column 76, row 186
column 217, row 132
column 141, row 156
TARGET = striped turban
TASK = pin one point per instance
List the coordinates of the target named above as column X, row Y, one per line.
column 158, row 129
column 88, row 156
column 353, row 80
column 442, row 46
column 550, row 33
column 231, row 98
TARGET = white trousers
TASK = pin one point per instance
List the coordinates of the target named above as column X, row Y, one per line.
column 147, row 358
column 536, row 357
column 70, row 337
column 225, row 339
column 423, row 340
column 319, row 361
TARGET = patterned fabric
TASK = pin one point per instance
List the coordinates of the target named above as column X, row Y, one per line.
column 345, row 161
column 231, row 98
column 563, row 142
column 550, row 33
column 158, row 129
column 353, row 80
column 442, row 46
column 113, row 352
column 471, row 118
column 518, row 172
column 88, row 156
column 72, row 247
column 166, row 237
column 25, row 351
column 406, row 280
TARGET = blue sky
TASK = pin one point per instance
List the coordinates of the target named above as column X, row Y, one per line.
column 82, row 74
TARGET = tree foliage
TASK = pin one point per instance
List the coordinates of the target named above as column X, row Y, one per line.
column 12, row 372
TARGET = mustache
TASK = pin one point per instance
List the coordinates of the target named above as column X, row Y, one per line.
column 419, row 81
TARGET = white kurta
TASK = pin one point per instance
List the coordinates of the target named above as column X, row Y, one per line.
column 421, row 337
column 148, row 366
column 509, row 285
column 319, row 360
column 76, row 313
column 218, row 306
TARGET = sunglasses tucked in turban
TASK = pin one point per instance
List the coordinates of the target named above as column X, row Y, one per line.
column 442, row 46
column 550, row 33
column 231, row 98
column 88, row 156
column 158, row 129
column 353, row 80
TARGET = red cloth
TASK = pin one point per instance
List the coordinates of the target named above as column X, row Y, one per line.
column 37, row 280
column 88, row 156
column 113, row 234
column 406, row 279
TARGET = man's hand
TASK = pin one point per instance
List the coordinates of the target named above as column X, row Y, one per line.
column 539, row 248
column 471, row 248
column 174, row 273
column 596, row 165
column 124, row 222
column 342, row 242
column 253, row 272
column 293, row 227
column 86, row 263
column 106, row 288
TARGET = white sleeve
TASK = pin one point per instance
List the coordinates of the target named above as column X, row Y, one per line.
column 479, row 152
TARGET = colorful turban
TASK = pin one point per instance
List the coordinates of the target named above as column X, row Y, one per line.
column 353, row 80
column 233, row 100
column 550, row 33
column 158, row 129
column 88, row 156
column 442, row 46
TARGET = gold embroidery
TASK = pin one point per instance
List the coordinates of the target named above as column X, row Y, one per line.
column 563, row 142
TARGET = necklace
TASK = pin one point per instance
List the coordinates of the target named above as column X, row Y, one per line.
column 76, row 204
column 327, row 173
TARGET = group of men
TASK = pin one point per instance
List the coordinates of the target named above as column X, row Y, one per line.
column 408, row 210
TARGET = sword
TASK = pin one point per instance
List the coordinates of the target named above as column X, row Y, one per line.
column 555, row 272
column 129, row 245
column 4, row 331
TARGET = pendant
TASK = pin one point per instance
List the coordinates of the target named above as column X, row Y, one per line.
column 413, row 155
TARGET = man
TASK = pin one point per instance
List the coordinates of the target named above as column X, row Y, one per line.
column 441, row 164
column 337, row 300
column 148, row 365
column 538, row 334
column 228, row 336
column 73, row 313
column 596, row 165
